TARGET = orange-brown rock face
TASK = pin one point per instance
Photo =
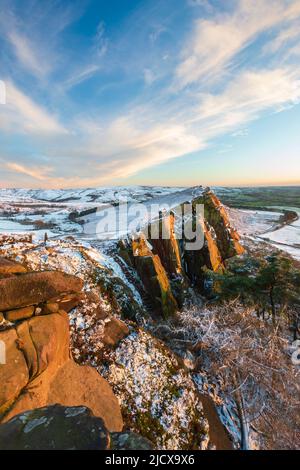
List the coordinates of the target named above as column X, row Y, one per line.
column 167, row 246
column 8, row 267
column 154, row 277
column 165, row 262
column 215, row 257
column 40, row 372
column 38, row 369
column 33, row 288
column 227, row 238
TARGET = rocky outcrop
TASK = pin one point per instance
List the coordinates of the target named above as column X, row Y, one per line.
column 167, row 247
column 154, row 277
column 140, row 376
column 65, row 428
column 39, row 370
column 165, row 262
column 227, row 238
column 35, row 288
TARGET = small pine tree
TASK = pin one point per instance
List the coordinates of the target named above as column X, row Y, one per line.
column 270, row 284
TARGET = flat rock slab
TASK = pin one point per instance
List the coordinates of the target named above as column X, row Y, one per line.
column 55, row 428
column 34, row 288
column 11, row 267
column 19, row 314
column 75, row 385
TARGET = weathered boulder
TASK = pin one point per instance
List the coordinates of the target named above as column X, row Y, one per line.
column 50, row 307
column 36, row 287
column 38, row 343
column 39, row 372
column 14, row 372
column 74, row 385
column 19, row 314
column 10, row 267
column 55, row 428
column 114, row 331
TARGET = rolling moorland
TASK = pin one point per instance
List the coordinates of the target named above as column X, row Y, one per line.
column 166, row 348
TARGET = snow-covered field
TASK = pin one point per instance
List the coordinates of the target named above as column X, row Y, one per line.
column 40, row 211
column 251, row 222
column 259, row 224
column 287, row 238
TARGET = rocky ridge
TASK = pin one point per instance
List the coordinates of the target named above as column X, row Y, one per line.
column 165, row 265
column 140, row 377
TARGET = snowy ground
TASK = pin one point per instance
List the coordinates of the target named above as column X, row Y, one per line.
column 50, row 211
column 259, row 224
column 115, row 222
column 39, row 211
column 287, row 238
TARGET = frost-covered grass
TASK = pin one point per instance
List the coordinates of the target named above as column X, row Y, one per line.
column 158, row 398
column 242, row 360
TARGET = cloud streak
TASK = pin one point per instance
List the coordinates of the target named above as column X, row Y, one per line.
column 215, row 42
column 225, row 75
column 22, row 115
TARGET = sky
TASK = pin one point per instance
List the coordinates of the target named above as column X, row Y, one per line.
column 154, row 92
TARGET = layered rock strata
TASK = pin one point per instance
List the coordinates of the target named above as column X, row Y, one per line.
column 38, row 369
column 168, row 265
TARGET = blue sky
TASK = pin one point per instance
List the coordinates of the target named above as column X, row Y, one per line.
column 171, row 92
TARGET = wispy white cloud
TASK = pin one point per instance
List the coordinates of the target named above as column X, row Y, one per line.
column 284, row 37
column 215, row 42
column 162, row 122
column 27, row 54
column 101, row 41
column 39, row 173
column 126, row 145
column 22, row 114
column 251, row 93
column 80, row 76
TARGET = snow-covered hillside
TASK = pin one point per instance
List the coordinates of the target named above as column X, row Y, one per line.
column 102, row 195
column 78, row 211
